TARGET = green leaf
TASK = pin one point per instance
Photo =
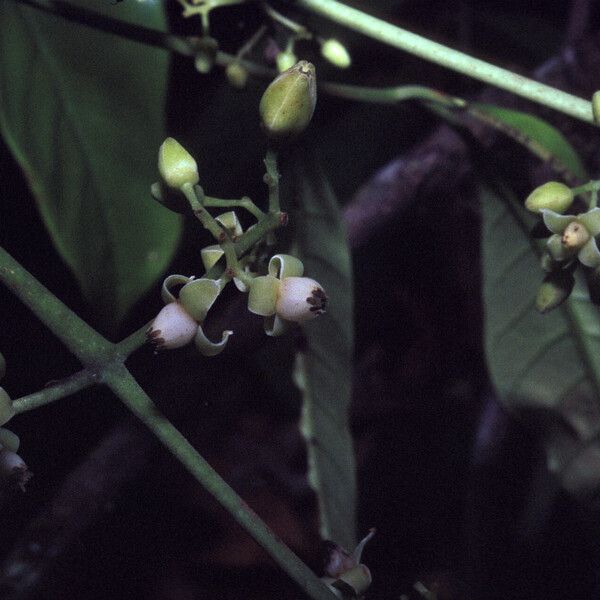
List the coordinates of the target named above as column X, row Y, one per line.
column 545, row 365
column 540, row 137
column 323, row 370
column 82, row 111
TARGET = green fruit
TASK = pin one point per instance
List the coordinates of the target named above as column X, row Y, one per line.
column 287, row 105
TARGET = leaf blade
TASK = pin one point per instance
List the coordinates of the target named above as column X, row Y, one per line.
column 324, row 369
column 537, row 135
column 83, row 120
column 548, row 365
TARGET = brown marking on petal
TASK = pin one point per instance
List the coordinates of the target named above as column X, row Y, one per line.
column 153, row 333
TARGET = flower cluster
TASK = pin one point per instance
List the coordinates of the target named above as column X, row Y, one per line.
column 572, row 243
column 13, row 470
column 282, row 295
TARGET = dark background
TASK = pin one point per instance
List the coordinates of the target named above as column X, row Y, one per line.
column 457, row 489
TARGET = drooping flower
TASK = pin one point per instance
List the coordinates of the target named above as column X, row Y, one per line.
column 284, row 295
column 574, row 236
column 180, row 321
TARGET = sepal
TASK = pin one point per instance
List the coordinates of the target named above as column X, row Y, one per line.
column 262, row 297
column 198, row 296
column 208, row 348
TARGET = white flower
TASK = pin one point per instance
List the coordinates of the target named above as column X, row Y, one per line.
column 173, row 327
column 300, row 299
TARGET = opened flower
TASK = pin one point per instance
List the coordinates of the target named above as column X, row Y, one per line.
column 574, row 235
column 180, row 321
column 285, row 295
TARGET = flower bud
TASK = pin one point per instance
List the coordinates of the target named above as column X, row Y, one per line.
column 13, row 469
column 172, row 328
column 300, row 299
column 7, row 412
column 289, row 102
column 335, row 52
column 575, row 235
column 9, row 440
column 237, row 75
column 555, row 289
column 205, row 49
column 553, row 195
column 596, row 107
column 176, row 165
column 285, row 60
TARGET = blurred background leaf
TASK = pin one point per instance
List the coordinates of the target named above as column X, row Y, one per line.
column 546, row 366
column 542, row 139
column 323, row 369
column 83, row 112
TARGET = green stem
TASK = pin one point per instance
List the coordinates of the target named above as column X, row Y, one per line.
column 132, row 342
column 85, row 343
column 207, row 220
column 244, row 203
column 449, row 58
column 122, row 383
column 271, row 178
column 268, row 223
column 297, row 28
column 251, row 42
column 389, row 95
column 591, row 186
column 71, row 385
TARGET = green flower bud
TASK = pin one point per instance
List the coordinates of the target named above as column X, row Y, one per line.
column 263, row 295
column 596, row 107
column 553, row 195
column 171, row 199
column 176, row 165
column 9, row 440
column 7, row 412
column 300, row 299
column 237, row 75
column 172, row 328
column 555, row 289
column 205, row 49
column 289, row 102
column 285, row 60
column 335, row 52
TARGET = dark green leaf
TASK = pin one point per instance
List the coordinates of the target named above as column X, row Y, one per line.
column 324, row 369
column 540, row 137
column 82, row 111
column 548, row 364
